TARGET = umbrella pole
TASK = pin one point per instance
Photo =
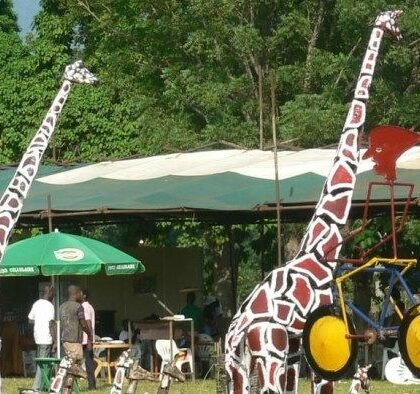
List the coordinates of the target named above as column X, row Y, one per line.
column 55, row 281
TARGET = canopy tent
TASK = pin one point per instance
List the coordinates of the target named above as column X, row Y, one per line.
column 201, row 184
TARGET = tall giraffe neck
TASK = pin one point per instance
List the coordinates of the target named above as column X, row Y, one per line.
column 11, row 203
column 334, row 204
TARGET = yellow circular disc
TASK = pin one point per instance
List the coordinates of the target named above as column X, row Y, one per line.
column 328, row 344
column 413, row 341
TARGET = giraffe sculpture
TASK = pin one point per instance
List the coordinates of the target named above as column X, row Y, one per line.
column 360, row 380
column 11, row 203
column 127, row 367
column 265, row 332
column 67, row 372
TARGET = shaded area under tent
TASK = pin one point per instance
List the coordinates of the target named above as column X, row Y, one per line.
column 219, row 187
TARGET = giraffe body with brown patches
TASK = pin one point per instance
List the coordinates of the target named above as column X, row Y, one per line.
column 265, row 332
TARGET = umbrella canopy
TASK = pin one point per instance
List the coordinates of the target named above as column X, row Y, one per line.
column 65, row 254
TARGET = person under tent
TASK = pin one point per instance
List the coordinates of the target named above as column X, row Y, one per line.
column 192, row 311
column 74, row 323
column 88, row 347
column 42, row 318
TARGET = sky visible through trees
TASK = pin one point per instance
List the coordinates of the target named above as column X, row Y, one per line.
column 26, row 11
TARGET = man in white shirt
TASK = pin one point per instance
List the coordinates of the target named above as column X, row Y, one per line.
column 87, row 345
column 42, row 317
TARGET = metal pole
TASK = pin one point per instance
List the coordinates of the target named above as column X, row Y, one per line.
column 171, row 338
column 162, row 304
column 193, row 349
column 393, row 221
column 233, row 270
column 54, row 282
column 261, row 251
column 276, row 164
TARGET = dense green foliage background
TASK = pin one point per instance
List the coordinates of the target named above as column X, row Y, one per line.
column 180, row 74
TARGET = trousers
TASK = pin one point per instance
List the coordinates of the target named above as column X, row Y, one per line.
column 90, row 367
column 42, row 351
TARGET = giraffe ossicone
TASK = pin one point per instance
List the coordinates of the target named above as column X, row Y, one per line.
column 265, row 332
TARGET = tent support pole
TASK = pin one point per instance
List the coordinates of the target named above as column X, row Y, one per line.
column 49, row 213
column 276, row 163
column 233, row 270
column 261, row 251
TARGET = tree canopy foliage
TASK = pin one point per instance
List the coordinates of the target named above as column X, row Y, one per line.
column 179, row 74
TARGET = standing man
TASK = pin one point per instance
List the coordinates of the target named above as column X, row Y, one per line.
column 73, row 324
column 42, row 317
column 88, row 347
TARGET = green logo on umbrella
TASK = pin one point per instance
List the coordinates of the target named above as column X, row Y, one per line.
column 69, row 254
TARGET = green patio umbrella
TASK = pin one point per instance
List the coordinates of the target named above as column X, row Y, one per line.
column 60, row 253
column 57, row 253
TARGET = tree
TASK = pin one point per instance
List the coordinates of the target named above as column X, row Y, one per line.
column 179, row 74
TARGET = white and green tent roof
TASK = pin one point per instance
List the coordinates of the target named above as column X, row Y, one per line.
column 240, row 182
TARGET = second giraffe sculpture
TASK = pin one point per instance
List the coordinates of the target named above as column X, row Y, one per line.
column 11, row 202
column 265, row 332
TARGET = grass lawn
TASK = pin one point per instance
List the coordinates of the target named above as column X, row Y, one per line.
column 11, row 385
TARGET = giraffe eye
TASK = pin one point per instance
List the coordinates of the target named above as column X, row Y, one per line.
column 378, row 149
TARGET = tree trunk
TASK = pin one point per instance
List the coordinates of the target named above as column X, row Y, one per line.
column 224, row 273
column 261, row 105
column 311, row 46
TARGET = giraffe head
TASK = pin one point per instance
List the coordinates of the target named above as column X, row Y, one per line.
column 78, row 73
column 388, row 22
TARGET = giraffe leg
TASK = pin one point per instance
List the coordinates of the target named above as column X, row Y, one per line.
column 267, row 344
column 132, row 386
column 239, row 380
column 293, row 365
column 321, row 386
column 292, row 378
column 68, row 384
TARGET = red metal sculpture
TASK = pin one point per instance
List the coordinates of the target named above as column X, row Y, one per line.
column 329, row 336
column 266, row 331
column 386, row 145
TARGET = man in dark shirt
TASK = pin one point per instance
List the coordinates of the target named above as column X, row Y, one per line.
column 73, row 324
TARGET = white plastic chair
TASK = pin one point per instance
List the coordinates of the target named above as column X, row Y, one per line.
column 163, row 347
column 386, row 356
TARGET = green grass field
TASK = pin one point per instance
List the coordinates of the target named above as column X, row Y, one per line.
column 11, row 385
